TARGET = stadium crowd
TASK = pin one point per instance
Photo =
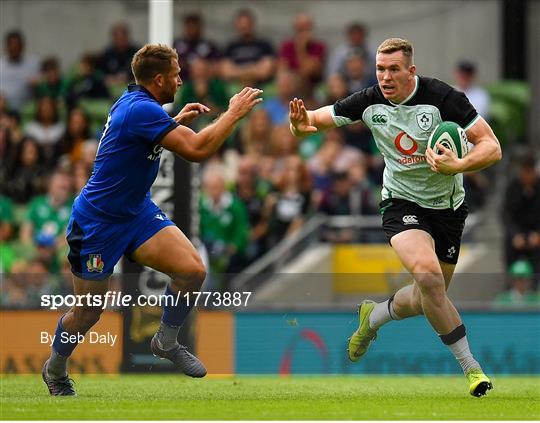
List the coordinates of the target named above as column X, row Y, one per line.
column 261, row 186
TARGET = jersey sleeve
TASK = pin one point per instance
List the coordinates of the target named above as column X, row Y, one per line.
column 350, row 109
column 457, row 108
column 148, row 121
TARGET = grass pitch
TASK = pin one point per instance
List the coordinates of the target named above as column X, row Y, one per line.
column 160, row 397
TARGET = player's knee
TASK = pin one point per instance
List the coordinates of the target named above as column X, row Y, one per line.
column 192, row 276
column 434, row 290
column 86, row 317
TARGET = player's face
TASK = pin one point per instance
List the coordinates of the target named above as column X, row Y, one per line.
column 395, row 75
column 171, row 82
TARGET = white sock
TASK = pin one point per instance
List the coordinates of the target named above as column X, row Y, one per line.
column 381, row 314
column 463, row 354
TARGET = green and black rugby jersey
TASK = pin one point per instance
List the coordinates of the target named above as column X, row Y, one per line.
column 401, row 132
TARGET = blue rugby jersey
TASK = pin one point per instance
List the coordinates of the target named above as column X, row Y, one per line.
column 127, row 161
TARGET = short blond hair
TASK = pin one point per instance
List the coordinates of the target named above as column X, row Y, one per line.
column 391, row 45
column 152, row 59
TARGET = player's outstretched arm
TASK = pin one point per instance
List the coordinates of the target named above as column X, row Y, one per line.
column 305, row 122
column 198, row 146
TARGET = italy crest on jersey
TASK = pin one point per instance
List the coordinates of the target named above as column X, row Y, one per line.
column 94, row 263
column 424, row 120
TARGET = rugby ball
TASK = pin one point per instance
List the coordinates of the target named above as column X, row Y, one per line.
column 450, row 135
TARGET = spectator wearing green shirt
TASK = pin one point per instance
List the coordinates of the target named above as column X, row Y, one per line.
column 51, row 84
column 224, row 225
column 520, row 293
column 49, row 214
column 203, row 88
column 7, row 219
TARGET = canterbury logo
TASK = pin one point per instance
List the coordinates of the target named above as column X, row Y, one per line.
column 379, row 119
column 410, row 219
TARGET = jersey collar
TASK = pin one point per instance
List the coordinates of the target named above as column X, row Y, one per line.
column 411, row 95
column 135, row 87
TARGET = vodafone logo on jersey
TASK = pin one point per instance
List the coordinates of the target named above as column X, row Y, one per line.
column 405, row 144
column 408, row 146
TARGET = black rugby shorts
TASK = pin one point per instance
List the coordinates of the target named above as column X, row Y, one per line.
column 445, row 226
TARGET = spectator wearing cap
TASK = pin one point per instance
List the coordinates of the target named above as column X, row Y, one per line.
column 521, row 286
column 19, row 72
column 115, row 61
column 248, row 60
column 521, row 214
column 193, row 45
column 465, row 77
column 356, row 42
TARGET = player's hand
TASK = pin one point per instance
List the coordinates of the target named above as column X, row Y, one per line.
column 299, row 118
column 446, row 163
column 189, row 112
column 243, row 102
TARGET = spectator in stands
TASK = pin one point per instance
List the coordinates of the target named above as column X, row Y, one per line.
column 356, row 34
column 336, row 201
column 19, row 72
column 77, row 133
column 303, row 53
column 51, row 83
column 7, row 228
column 356, row 73
column 476, row 185
column 252, row 195
column 286, row 209
column 223, row 224
column 521, row 211
column 203, row 88
column 25, row 178
column 342, row 159
column 253, row 139
column 10, row 137
column 283, row 144
column 336, row 88
column 521, row 291
column 193, row 45
column 287, row 87
column 25, row 286
column 46, row 128
column 465, row 76
column 87, row 82
column 48, row 215
column 6, row 218
column 115, row 61
column 248, row 60
column 81, row 174
column 89, row 152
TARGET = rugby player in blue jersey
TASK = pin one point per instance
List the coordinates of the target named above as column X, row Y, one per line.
column 114, row 215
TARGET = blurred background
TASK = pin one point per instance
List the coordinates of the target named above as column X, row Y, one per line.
column 295, row 222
